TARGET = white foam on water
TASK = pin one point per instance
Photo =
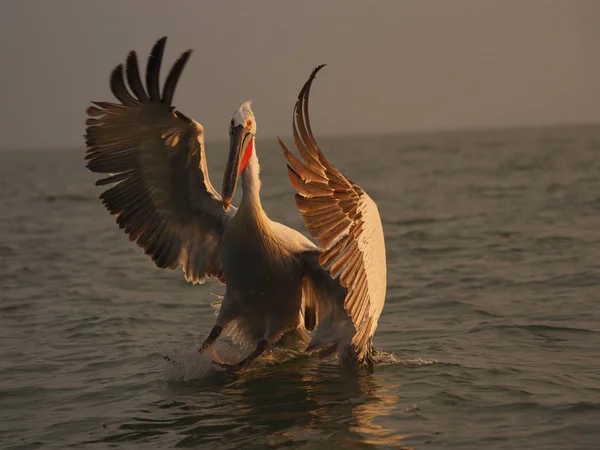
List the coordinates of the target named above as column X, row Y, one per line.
column 383, row 358
column 180, row 361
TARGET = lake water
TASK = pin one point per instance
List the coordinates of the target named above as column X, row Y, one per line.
column 490, row 333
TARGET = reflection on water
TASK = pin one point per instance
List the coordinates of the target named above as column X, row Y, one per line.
column 299, row 401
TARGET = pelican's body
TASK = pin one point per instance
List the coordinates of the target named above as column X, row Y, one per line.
column 262, row 268
column 278, row 283
column 265, row 296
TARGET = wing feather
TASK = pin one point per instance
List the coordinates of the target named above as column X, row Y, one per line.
column 117, row 85
column 321, row 218
column 155, row 160
column 308, row 189
column 346, row 223
column 133, row 78
column 330, row 255
column 305, row 171
column 309, row 206
column 173, row 78
column 153, row 69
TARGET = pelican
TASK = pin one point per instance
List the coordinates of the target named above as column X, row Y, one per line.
column 278, row 283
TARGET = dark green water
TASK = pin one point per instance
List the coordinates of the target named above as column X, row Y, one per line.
column 491, row 326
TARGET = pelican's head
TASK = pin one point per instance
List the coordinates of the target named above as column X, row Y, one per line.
column 244, row 117
column 241, row 145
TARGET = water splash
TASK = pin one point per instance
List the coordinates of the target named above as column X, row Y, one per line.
column 180, row 361
column 383, row 358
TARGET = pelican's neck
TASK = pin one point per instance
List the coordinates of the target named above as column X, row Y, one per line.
column 251, row 186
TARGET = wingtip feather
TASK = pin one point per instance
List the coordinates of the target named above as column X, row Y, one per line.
column 173, row 77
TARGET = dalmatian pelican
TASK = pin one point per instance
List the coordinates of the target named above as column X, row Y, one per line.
column 278, row 282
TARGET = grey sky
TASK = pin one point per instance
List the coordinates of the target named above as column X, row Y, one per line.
column 392, row 65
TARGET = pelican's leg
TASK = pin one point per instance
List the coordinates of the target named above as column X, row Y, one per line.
column 262, row 345
column 226, row 315
column 370, row 361
column 212, row 337
column 273, row 334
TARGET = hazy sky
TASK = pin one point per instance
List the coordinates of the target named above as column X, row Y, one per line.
column 392, row 65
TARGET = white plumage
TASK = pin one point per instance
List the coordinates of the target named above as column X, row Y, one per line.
column 278, row 283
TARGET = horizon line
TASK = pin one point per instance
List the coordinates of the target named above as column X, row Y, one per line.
column 416, row 131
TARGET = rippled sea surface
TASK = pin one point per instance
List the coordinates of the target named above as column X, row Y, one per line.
column 490, row 335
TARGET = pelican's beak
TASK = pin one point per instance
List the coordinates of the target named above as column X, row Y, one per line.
column 239, row 146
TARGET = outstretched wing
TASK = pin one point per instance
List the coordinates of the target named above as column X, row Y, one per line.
column 346, row 223
column 155, row 157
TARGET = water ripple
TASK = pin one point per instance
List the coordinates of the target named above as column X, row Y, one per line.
column 489, row 337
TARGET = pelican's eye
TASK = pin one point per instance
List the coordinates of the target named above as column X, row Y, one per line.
column 249, row 123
